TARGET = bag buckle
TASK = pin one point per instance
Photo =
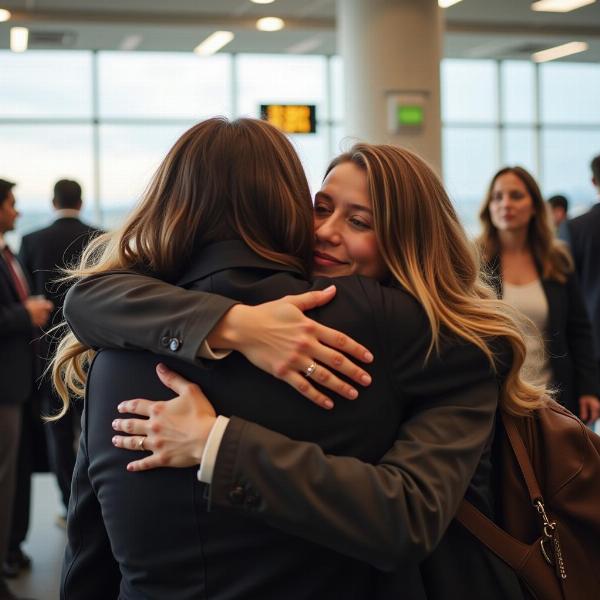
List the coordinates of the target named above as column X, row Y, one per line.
column 553, row 554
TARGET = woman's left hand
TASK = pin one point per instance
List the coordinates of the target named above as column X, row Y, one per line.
column 174, row 432
column 589, row 408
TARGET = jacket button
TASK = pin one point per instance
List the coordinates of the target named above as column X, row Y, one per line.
column 237, row 495
column 164, row 341
column 174, row 344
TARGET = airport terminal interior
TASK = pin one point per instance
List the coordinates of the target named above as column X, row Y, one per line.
column 97, row 91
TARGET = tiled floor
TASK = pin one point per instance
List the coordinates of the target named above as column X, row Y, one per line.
column 45, row 544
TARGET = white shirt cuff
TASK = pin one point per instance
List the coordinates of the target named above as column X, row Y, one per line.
column 211, row 449
column 206, row 351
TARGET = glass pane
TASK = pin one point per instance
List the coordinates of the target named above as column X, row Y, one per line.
column 566, row 156
column 518, row 148
column 469, row 91
column 129, row 156
column 570, row 93
column 35, row 157
column 518, row 95
column 281, row 79
column 337, row 88
column 31, row 87
column 470, row 160
column 173, row 85
column 312, row 150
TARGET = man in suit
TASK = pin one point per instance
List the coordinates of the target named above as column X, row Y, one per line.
column 19, row 313
column 585, row 246
column 43, row 254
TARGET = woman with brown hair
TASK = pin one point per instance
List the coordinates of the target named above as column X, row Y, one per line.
column 378, row 479
column 533, row 271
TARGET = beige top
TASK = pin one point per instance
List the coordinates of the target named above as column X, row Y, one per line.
column 529, row 299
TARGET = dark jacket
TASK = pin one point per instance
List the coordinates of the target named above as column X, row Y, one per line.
column 584, row 240
column 429, row 424
column 568, row 338
column 43, row 254
column 16, row 350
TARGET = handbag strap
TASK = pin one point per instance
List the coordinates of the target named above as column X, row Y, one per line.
column 513, row 552
column 522, row 456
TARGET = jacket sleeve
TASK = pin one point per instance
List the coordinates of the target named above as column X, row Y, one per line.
column 580, row 341
column 382, row 514
column 131, row 311
column 89, row 571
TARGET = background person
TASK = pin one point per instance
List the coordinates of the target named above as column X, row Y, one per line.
column 348, row 226
column 533, row 271
column 584, row 239
column 19, row 314
column 43, row 254
column 559, row 207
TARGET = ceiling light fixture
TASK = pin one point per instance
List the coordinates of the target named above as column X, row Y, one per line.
column 270, row 24
column 559, row 51
column 560, row 6
column 213, row 43
column 263, row 1
column 19, row 38
column 447, row 3
column 4, row 15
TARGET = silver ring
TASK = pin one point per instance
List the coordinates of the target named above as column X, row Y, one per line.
column 310, row 369
column 141, row 444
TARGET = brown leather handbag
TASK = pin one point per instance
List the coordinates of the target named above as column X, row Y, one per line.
column 548, row 529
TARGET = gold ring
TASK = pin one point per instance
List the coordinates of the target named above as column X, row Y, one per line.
column 141, row 444
column 310, row 369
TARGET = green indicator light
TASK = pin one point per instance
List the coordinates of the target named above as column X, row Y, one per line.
column 410, row 115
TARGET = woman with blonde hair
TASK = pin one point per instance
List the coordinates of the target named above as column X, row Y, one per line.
column 377, row 480
column 533, row 271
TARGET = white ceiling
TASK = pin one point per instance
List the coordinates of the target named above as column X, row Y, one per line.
column 474, row 28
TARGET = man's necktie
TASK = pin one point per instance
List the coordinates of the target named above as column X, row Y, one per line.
column 20, row 285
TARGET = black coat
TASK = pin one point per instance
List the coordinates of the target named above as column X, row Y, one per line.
column 43, row 254
column 165, row 542
column 568, row 338
column 16, row 349
column 584, row 239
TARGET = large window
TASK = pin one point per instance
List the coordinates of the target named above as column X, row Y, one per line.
column 544, row 118
column 107, row 119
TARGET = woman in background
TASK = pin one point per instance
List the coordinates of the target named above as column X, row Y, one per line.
column 533, row 271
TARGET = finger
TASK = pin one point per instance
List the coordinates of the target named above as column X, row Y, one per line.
column 145, row 464
column 329, row 380
column 312, row 299
column 303, row 385
column 174, row 381
column 132, row 426
column 137, row 406
column 132, row 442
column 337, row 361
column 340, row 341
column 595, row 411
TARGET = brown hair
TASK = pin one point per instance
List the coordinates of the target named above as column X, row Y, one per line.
column 220, row 180
column 427, row 252
column 551, row 254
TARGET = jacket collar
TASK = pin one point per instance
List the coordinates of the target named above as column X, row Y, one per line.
column 230, row 254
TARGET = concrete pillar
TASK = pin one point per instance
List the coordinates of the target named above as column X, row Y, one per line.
column 391, row 51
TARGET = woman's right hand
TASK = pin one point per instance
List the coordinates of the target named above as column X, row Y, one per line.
column 278, row 338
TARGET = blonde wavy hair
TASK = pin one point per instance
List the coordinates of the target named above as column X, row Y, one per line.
column 428, row 253
column 550, row 253
column 220, row 180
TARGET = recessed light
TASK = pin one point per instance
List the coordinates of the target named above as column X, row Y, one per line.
column 270, row 24
column 213, row 43
column 447, row 3
column 4, row 15
column 19, row 38
column 559, row 51
column 263, row 1
column 560, row 6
